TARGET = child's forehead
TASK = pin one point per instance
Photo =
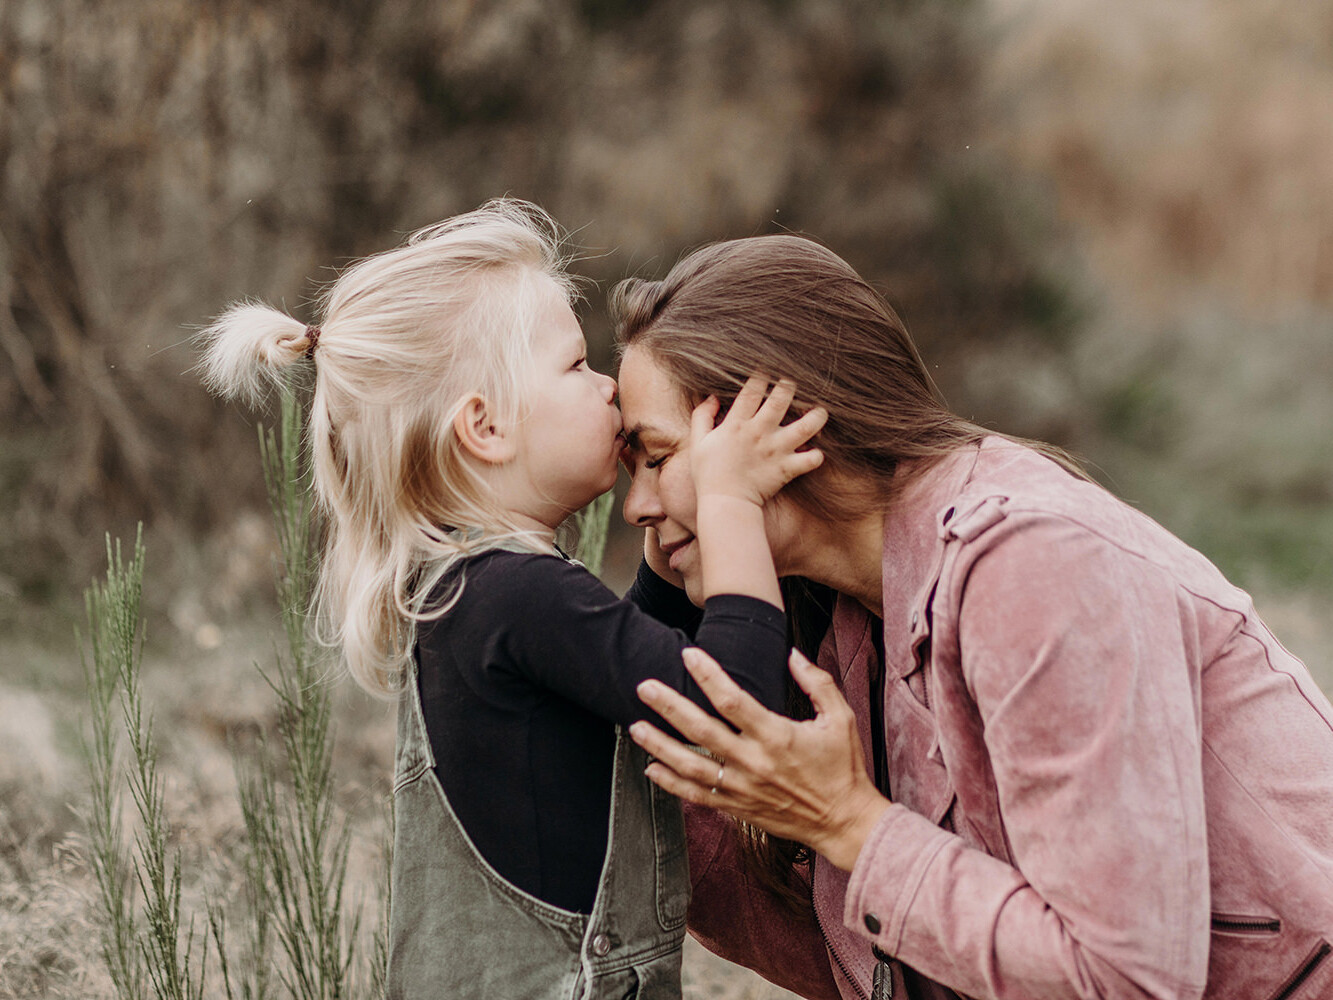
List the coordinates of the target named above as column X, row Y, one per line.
column 558, row 328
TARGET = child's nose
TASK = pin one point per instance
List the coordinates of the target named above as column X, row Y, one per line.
column 610, row 389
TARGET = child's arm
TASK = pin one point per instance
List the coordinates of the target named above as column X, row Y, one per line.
column 738, row 466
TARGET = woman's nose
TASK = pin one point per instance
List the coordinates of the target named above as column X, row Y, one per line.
column 642, row 505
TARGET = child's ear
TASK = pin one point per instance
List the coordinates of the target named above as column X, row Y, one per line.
column 481, row 433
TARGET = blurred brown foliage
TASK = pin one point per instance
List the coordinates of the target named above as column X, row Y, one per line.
column 163, row 157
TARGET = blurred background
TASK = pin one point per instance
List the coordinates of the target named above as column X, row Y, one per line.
column 1109, row 226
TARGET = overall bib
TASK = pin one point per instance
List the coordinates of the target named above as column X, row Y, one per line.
column 457, row 929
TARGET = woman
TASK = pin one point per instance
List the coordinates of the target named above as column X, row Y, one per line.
column 1055, row 753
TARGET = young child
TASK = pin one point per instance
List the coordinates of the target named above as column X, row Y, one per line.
column 455, row 424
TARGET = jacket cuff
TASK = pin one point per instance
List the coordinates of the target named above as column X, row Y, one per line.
column 888, row 873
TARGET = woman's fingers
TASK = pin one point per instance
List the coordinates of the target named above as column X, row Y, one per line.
column 676, row 757
column 731, row 702
column 817, row 683
column 826, row 698
column 670, row 781
column 687, row 718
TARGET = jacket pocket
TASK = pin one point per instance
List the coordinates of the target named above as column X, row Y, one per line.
column 1255, row 955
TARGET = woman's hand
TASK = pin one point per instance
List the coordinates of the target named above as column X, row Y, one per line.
column 805, row 781
column 750, row 454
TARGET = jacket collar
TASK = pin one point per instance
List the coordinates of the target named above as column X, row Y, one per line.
column 914, row 536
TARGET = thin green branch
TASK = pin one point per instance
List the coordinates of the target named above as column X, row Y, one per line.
column 592, row 523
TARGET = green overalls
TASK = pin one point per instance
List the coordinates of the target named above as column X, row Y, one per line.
column 459, row 930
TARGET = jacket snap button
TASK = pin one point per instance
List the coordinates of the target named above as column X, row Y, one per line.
column 601, row 944
column 916, row 616
column 872, row 923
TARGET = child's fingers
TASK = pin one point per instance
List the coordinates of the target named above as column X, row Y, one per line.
column 798, row 463
column 804, row 428
column 703, row 418
column 750, row 397
column 779, row 400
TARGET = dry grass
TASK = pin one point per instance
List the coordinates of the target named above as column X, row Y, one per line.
column 205, row 701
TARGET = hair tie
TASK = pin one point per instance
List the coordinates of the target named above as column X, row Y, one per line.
column 312, row 340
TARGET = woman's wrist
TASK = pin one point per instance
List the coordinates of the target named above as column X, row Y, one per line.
column 844, row 838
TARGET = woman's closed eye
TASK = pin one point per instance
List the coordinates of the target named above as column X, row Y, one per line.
column 634, row 460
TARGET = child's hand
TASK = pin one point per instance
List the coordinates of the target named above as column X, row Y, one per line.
column 750, row 455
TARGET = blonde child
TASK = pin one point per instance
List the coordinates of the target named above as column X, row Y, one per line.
column 454, row 425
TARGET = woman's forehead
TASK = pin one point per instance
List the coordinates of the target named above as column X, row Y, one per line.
column 649, row 396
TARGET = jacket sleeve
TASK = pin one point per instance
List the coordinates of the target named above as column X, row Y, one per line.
column 745, row 923
column 1076, row 657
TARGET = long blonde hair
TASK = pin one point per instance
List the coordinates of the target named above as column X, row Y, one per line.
column 405, row 336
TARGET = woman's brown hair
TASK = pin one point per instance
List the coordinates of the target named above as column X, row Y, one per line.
column 787, row 307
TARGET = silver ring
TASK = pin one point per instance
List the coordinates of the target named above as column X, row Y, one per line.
column 718, row 780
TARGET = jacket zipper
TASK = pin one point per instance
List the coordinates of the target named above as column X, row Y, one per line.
column 1246, row 925
column 882, row 982
column 1315, row 958
column 877, row 747
column 828, row 945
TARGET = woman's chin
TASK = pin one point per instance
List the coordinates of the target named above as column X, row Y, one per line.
column 694, row 588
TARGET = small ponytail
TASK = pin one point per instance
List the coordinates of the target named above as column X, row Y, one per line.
column 246, row 348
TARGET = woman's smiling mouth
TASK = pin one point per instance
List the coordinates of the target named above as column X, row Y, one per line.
column 676, row 552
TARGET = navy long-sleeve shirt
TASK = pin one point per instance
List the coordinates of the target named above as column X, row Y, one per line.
column 523, row 682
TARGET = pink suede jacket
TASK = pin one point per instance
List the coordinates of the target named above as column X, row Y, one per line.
column 1108, row 778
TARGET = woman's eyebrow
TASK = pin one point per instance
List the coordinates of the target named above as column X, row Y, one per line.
column 635, row 435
